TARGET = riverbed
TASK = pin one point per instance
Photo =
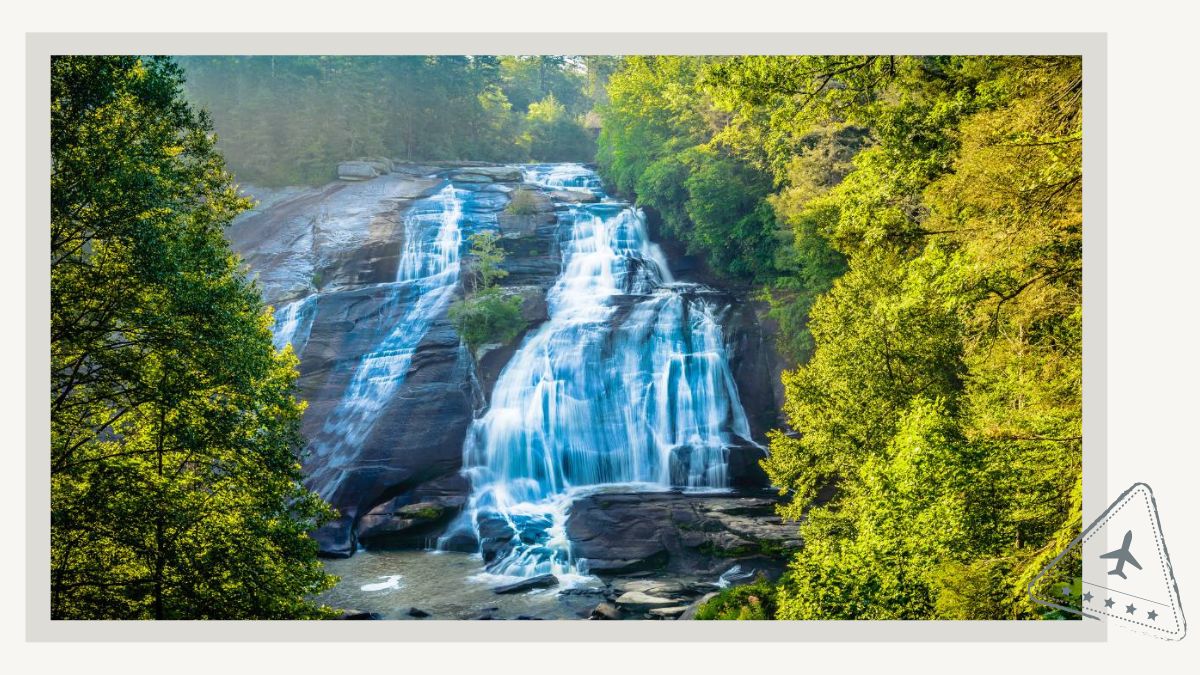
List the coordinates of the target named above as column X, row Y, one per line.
column 447, row 585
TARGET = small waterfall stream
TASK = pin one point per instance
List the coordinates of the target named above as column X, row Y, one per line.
column 627, row 382
column 294, row 321
column 425, row 281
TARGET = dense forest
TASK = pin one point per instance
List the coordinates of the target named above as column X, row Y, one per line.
column 915, row 223
column 287, row 120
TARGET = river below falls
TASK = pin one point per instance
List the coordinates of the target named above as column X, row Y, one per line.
column 447, row 585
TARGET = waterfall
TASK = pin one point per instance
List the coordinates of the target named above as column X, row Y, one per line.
column 627, row 382
column 425, row 283
column 563, row 177
column 293, row 323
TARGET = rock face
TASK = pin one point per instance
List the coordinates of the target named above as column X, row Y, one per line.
column 331, row 255
column 335, row 237
column 686, row 534
column 338, row 247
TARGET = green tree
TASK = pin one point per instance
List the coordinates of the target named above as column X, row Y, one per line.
column 288, row 120
column 915, row 224
column 554, row 135
column 487, row 314
column 175, row 475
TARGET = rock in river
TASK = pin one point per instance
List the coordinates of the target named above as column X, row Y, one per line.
column 540, row 581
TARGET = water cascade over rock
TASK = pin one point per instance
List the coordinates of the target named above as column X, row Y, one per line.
column 425, row 283
column 627, row 380
column 628, row 383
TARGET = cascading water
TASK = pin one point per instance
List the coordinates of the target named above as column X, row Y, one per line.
column 627, row 382
column 563, row 177
column 425, row 283
column 294, row 321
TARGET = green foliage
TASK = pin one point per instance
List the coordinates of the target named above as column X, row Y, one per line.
column 555, row 136
column 914, row 223
column 489, row 257
column 750, row 602
column 175, row 471
column 287, row 120
column 486, row 314
column 522, row 203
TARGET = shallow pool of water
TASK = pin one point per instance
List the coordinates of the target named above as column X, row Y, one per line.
column 447, row 585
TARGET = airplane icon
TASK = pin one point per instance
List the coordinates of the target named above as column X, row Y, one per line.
column 1122, row 556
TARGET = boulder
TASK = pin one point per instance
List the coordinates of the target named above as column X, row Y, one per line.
column 606, row 611
column 744, row 470
column 418, row 613
column 687, row 534
column 500, row 174
column 668, row 612
column 382, row 165
column 357, row 170
column 574, row 196
column 637, row 601
column 358, row 615
column 540, row 581
column 464, row 177
column 660, row 587
column 401, row 522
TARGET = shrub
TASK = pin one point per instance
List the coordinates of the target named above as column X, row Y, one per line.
column 755, row 601
column 487, row 316
column 522, row 203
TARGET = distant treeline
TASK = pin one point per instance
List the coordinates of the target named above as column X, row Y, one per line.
column 284, row 120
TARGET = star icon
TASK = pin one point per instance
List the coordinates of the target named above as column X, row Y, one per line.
column 1066, row 591
column 1130, row 609
column 1108, row 602
column 1087, row 597
column 1152, row 615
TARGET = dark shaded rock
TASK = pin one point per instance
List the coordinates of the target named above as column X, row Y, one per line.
column 513, row 225
column 691, row 534
column 411, row 519
column 495, row 536
column 606, row 611
column 461, row 541
column 415, row 439
column 757, row 368
column 540, row 581
column 336, row 539
column 418, row 613
column 358, row 615
column 744, row 471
